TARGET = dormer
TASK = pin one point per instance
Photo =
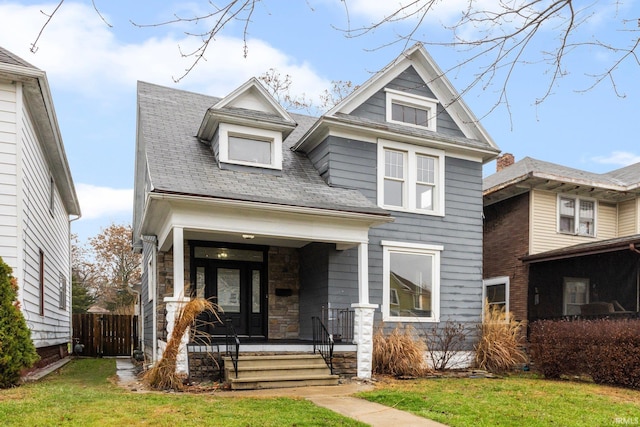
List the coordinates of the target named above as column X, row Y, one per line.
column 246, row 129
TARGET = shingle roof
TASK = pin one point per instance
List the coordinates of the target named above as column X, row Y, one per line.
column 7, row 57
column 179, row 163
column 527, row 167
column 416, row 132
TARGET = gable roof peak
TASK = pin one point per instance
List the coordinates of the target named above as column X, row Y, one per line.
column 431, row 74
column 252, row 95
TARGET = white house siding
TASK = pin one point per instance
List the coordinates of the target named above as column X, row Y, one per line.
column 8, row 176
column 628, row 218
column 544, row 234
column 43, row 230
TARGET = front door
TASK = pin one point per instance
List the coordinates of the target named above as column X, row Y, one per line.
column 235, row 280
column 238, row 290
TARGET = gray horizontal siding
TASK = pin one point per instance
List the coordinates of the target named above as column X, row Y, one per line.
column 408, row 81
column 459, row 232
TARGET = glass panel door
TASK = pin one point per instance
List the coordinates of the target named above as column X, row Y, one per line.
column 228, row 291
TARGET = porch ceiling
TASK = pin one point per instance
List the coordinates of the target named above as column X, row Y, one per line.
column 254, row 223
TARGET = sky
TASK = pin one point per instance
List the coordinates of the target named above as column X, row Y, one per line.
column 93, row 61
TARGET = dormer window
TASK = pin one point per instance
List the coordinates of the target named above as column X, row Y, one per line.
column 410, row 109
column 243, row 149
column 247, row 146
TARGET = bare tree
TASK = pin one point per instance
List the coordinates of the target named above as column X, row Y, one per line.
column 494, row 37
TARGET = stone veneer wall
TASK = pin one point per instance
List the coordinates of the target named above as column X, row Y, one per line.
column 164, row 282
column 345, row 364
column 284, row 311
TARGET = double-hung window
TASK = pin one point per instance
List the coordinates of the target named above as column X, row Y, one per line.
column 576, row 216
column 576, row 293
column 411, row 282
column 411, row 178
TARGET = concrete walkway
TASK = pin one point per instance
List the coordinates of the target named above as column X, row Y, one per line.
column 336, row 398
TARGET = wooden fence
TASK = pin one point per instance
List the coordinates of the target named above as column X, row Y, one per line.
column 105, row 334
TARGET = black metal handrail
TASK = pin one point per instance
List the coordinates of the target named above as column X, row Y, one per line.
column 339, row 323
column 232, row 340
column 322, row 342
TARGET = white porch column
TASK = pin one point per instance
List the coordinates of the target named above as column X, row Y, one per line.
column 177, row 301
column 363, row 273
column 178, row 263
column 363, row 319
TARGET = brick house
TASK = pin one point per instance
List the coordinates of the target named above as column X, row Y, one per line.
column 560, row 241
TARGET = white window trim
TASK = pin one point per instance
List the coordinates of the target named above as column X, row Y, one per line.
column 499, row 280
column 576, row 215
column 410, row 179
column 411, row 100
column 410, row 248
column 225, row 129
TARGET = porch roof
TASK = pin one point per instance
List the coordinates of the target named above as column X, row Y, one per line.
column 592, row 248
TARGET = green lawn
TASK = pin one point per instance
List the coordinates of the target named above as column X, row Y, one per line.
column 82, row 394
column 513, row 401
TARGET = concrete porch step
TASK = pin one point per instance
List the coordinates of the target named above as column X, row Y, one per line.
column 283, row 382
column 278, row 371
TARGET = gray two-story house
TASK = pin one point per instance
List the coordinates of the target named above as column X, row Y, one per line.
column 373, row 209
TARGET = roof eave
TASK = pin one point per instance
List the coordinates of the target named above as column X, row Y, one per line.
column 35, row 80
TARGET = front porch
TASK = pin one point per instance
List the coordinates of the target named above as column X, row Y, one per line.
column 600, row 279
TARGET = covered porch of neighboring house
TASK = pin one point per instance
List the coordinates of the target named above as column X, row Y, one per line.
column 599, row 279
column 268, row 269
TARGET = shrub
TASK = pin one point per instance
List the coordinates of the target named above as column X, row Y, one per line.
column 443, row 343
column 553, row 347
column 17, row 351
column 499, row 348
column 398, row 353
column 607, row 350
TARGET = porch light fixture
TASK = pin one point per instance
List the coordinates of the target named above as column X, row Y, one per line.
column 248, row 236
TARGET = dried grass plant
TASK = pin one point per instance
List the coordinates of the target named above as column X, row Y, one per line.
column 163, row 375
column 399, row 353
column 499, row 348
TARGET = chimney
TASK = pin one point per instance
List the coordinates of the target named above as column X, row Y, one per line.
column 504, row 161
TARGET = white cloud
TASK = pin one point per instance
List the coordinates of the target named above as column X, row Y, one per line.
column 103, row 202
column 619, row 158
column 81, row 54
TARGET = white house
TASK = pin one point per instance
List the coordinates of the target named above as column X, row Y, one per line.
column 37, row 204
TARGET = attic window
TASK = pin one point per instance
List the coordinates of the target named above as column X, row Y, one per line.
column 247, row 146
column 243, row 149
column 410, row 109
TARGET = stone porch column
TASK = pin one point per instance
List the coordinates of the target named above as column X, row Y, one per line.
column 177, row 301
column 363, row 319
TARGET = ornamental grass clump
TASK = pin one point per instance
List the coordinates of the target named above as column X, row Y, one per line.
column 163, row 375
column 399, row 353
column 499, row 348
